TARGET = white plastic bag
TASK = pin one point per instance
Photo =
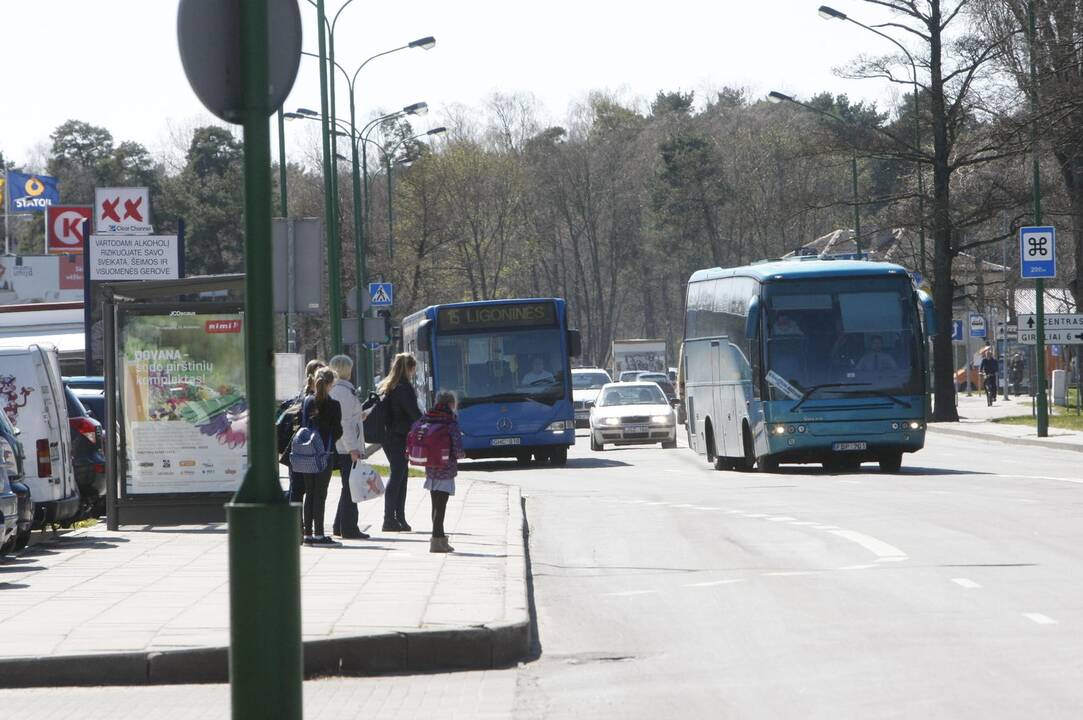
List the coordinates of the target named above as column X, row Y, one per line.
column 365, row 482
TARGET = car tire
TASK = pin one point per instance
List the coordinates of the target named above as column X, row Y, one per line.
column 669, row 444
column 22, row 539
column 594, row 444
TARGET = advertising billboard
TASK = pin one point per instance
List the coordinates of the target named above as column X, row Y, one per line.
column 26, row 279
column 134, row 257
column 185, row 411
column 31, row 193
column 64, row 227
column 123, row 211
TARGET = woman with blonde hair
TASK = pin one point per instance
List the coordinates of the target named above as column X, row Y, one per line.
column 349, row 448
column 402, row 410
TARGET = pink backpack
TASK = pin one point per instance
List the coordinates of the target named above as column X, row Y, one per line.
column 429, row 444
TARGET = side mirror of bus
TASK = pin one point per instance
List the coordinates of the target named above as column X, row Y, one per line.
column 929, row 311
column 575, row 343
column 424, row 336
column 752, row 320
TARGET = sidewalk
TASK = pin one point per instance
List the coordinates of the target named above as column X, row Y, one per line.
column 151, row 605
column 975, row 420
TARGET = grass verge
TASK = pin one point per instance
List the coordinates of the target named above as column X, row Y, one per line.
column 1063, row 422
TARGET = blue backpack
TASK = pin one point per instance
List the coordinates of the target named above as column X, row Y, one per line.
column 309, row 454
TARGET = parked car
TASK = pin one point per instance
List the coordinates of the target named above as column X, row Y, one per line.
column 87, row 456
column 34, row 401
column 632, row 413
column 586, row 382
column 91, row 392
column 11, row 459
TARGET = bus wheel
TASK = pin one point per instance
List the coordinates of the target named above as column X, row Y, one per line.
column 891, row 462
column 523, row 458
column 767, row 464
column 559, row 457
column 747, row 462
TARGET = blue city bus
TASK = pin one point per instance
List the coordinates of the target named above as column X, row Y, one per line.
column 507, row 360
column 807, row 360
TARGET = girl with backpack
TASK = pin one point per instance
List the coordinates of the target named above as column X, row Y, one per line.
column 322, row 414
column 441, row 422
column 400, row 399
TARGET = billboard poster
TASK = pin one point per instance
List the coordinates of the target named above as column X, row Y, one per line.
column 124, row 211
column 64, row 228
column 184, row 404
column 27, row 279
column 134, row 257
column 31, row 193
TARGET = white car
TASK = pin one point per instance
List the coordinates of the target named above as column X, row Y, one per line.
column 586, row 382
column 632, row 413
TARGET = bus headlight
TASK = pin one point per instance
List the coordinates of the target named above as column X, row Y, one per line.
column 561, row 425
column 915, row 425
column 780, row 429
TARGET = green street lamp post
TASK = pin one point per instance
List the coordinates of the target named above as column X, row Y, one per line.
column 391, row 205
column 1039, row 284
column 829, row 13
column 329, row 204
column 778, row 97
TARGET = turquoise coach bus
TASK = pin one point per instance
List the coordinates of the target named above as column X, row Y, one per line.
column 809, row 360
column 508, row 361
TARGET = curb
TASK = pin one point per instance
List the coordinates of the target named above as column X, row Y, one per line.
column 480, row 647
column 942, row 428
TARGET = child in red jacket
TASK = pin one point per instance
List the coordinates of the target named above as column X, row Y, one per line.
column 440, row 481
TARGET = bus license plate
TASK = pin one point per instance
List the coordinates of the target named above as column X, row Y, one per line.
column 506, row 441
column 849, row 446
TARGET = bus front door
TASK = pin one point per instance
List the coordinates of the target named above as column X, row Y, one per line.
column 718, row 401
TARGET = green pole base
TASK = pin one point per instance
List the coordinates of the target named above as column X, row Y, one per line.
column 266, row 658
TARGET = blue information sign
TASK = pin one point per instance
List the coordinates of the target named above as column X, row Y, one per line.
column 381, row 294
column 977, row 325
column 1038, row 252
column 957, row 330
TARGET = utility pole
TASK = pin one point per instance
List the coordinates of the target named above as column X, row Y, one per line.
column 1039, row 283
column 334, row 271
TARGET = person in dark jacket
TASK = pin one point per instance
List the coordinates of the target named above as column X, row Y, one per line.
column 323, row 414
column 402, row 410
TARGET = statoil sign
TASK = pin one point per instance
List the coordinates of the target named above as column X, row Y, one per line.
column 31, row 193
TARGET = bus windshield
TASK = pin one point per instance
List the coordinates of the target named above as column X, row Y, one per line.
column 832, row 338
column 502, row 365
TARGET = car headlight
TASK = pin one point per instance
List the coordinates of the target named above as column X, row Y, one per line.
column 610, row 421
column 662, row 419
column 560, row 425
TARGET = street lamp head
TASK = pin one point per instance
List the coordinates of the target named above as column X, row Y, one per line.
column 418, row 108
column 830, row 13
column 306, row 111
column 340, row 133
column 293, row 116
column 437, row 131
column 777, row 97
column 425, row 43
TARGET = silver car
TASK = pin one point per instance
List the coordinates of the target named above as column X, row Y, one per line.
column 632, row 413
column 586, row 382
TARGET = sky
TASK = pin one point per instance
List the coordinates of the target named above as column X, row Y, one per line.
column 115, row 63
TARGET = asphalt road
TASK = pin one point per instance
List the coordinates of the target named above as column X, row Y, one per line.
column 665, row 589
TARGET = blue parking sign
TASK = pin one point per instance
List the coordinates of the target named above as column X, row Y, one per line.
column 1038, row 252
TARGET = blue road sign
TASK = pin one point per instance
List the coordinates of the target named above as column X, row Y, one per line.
column 977, row 325
column 957, row 330
column 1038, row 252
column 381, row 294
column 372, row 345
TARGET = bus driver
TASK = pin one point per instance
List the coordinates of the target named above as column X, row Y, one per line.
column 538, row 375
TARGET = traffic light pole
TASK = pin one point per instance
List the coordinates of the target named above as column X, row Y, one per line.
column 266, row 665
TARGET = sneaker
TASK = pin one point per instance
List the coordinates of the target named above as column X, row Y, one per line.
column 357, row 535
column 391, row 526
column 308, row 540
column 325, row 541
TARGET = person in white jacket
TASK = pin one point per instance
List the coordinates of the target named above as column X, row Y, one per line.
column 350, row 447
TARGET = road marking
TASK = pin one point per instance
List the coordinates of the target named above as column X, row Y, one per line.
column 825, row 527
column 683, row 505
column 715, row 583
column 857, row 567
column 1040, row 619
column 876, row 547
column 704, row 507
column 628, row 593
column 755, row 515
column 803, row 522
column 791, row 573
column 782, row 518
column 964, row 582
column 660, row 502
column 1039, row 477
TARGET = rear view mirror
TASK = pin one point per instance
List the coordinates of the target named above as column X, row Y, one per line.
column 424, row 336
column 929, row 311
column 752, row 320
column 575, row 343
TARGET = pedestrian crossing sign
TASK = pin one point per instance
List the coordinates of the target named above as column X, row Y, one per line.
column 381, row 294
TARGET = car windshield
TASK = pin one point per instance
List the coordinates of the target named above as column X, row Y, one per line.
column 588, row 380
column 857, row 338
column 632, row 395
column 501, row 365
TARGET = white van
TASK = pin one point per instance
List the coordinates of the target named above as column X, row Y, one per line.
column 32, row 396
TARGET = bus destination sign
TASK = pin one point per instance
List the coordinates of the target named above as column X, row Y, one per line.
column 535, row 314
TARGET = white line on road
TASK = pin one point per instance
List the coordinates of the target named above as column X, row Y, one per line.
column 791, row 573
column 755, row 515
column 1040, row 619
column 876, row 547
column 825, row 527
column 628, row 593
column 781, row 519
column 1039, row 477
column 683, row 505
column 857, row 567
column 703, row 507
column 715, row 583
column 803, row 522
column 964, row 582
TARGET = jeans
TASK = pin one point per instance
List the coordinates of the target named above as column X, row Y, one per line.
column 395, row 494
column 346, row 515
column 297, row 487
column 439, row 508
column 315, row 501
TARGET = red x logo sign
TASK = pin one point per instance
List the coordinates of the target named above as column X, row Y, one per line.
column 131, row 209
column 109, row 210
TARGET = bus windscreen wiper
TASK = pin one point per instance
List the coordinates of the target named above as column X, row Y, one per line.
column 879, row 393
column 547, row 399
column 809, row 391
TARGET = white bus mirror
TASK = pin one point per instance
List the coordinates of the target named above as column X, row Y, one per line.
column 929, row 311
